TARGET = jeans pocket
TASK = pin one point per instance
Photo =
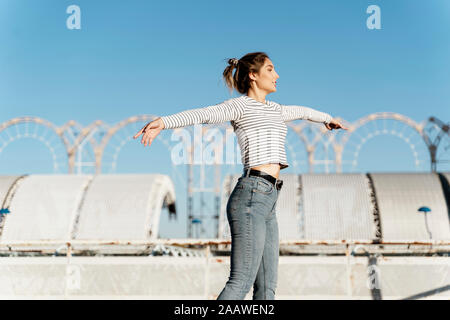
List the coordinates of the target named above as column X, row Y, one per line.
column 263, row 186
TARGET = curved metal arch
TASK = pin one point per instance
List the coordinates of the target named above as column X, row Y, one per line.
column 411, row 146
column 320, row 131
column 111, row 131
column 78, row 139
column 85, row 131
column 381, row 115
column 72, row 142
column 340, row 147
column 59, row 131
column 318, row 134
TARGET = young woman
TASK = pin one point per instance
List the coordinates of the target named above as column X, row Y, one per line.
column 261, row 131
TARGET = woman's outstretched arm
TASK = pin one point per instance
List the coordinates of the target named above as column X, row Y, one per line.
column 222, row 112
column 226, row 111
column 291, row 112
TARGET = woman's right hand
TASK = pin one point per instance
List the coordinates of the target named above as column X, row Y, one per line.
column 150, row 131
column 335, row 124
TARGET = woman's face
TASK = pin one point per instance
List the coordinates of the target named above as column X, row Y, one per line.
column 267, row 77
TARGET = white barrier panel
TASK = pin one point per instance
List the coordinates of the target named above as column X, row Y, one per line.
column 202, row 278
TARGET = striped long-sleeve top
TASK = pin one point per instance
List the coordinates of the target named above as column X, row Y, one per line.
column 260, row 127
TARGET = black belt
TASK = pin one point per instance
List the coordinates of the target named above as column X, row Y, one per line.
column 276, row 182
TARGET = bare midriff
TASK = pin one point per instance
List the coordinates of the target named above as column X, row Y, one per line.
column 271, row 168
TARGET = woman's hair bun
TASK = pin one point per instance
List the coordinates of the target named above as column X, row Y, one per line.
column 233, row 61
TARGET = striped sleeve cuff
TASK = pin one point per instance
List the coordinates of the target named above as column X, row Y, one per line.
column 166, row 121
column 328, row 118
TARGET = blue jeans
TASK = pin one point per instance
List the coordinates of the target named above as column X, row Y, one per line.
column 254, row 240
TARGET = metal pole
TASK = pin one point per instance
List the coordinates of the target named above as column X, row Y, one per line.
column 349, row 272
column 426, row 225
column 206, row 289
column 68, row 255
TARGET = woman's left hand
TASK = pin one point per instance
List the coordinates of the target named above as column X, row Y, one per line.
column 334, row 124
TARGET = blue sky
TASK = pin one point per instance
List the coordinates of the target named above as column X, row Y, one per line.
column 161, row 57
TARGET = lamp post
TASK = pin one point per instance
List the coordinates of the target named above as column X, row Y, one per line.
column 197, row 222
column 425, row 210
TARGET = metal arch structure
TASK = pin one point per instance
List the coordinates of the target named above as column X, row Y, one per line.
column 74, row 137
column 111, row 132
column 84, row 137
column 314, row 135
column 60, row 132
column 435, row 133
column 341, row 145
